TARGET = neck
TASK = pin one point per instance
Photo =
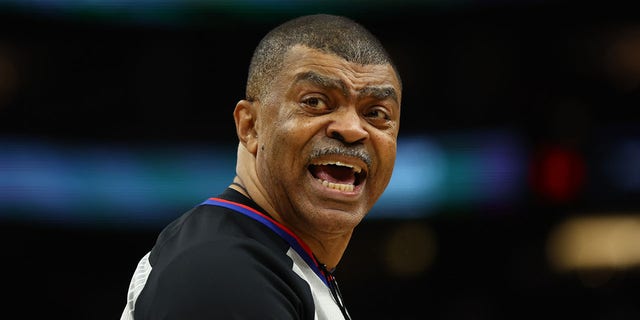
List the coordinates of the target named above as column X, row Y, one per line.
column 327, row 246
column 327, row 249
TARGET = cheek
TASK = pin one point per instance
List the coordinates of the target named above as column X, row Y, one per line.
column 387, row 156
column 278, row 149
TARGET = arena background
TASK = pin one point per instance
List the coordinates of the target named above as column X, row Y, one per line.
column 517, row 188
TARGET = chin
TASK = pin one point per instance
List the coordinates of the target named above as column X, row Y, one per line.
column 341, row 218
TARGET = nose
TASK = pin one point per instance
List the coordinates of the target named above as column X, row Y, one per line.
column 347, row 126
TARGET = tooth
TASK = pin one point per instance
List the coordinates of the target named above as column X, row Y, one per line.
column 355, row 169
column 336, row 186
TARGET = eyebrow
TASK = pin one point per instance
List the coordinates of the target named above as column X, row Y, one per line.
column 378, row 92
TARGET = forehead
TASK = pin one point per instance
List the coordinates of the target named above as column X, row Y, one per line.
column 300, row 59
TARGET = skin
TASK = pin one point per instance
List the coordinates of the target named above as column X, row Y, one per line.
column 318, row 101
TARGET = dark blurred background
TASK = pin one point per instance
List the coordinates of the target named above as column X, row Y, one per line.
column 517, row 188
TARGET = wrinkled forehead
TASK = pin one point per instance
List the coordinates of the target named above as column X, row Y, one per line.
column 302, row 62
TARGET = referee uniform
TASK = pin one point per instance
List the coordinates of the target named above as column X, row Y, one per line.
column 228, row 259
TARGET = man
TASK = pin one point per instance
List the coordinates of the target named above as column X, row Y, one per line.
column 317, row 144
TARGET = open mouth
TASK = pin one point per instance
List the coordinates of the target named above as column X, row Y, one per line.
column 338, row 175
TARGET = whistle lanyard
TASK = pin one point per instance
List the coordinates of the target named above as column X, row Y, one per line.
column 296, row 243
column 335, row 291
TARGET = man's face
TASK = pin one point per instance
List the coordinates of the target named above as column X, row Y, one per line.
column 327, row 133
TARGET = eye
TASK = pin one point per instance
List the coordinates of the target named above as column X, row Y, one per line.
column 315, row 104
column 377, row 114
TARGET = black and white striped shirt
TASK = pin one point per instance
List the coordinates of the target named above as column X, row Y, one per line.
column 227, row 259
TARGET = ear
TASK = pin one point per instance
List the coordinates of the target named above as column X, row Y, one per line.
column 245, row 118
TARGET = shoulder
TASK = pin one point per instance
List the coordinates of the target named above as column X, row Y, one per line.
column 220, row 238
column 230, row 277
column 206, row 224
column 209, row 266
